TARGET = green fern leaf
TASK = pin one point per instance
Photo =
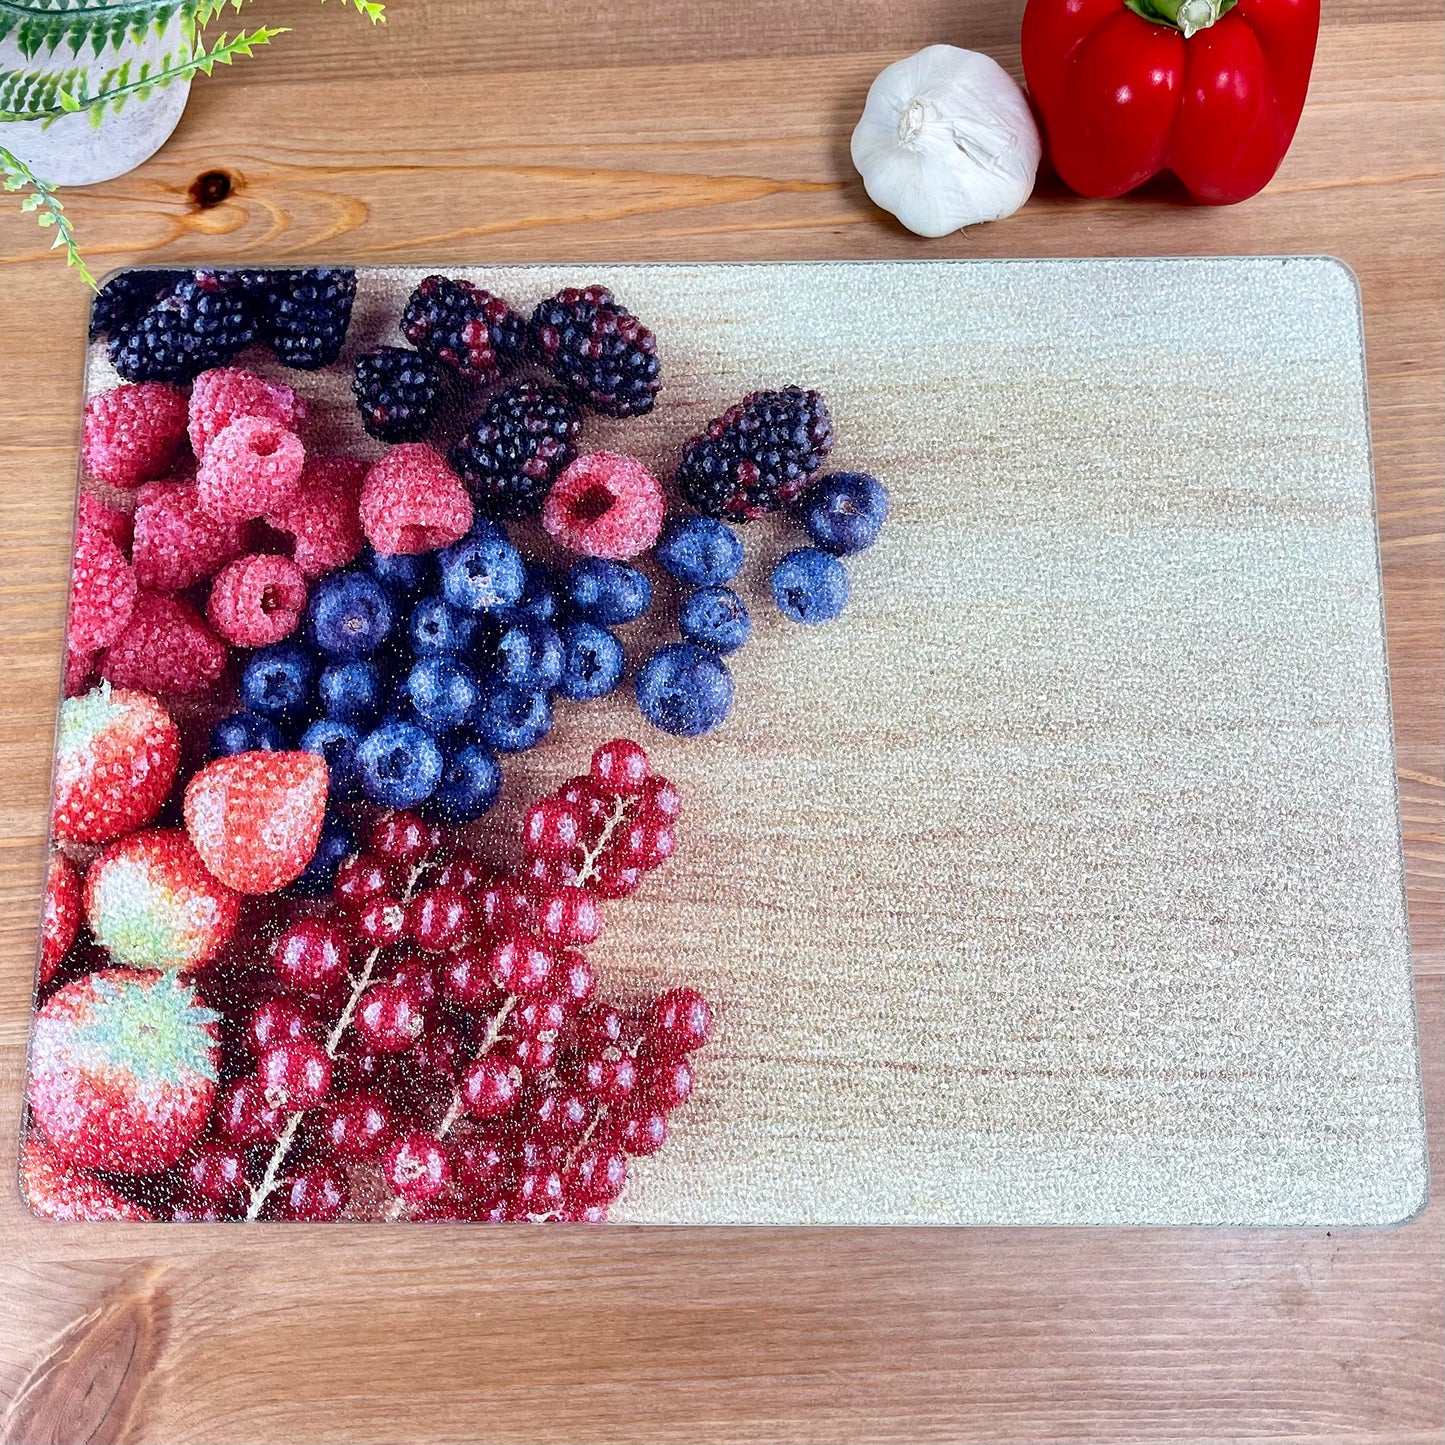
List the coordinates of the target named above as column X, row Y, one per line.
column 42, row 27
column 42, row 199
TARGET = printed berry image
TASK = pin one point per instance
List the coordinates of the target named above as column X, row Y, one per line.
column 598, row 350
column 204, row 319
column 517, row 448
column 756, row 456
column 303, row 314
column 474, row 334
column 397, row 393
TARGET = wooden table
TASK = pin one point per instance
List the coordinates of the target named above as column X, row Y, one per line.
column 543, row 132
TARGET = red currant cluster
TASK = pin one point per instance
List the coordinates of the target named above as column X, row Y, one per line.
column 463, row 1059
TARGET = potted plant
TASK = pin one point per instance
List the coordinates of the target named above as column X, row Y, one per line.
column 89, row 90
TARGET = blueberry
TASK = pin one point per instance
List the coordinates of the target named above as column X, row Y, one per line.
column 511, row 720
column 700, row 551
column 592, row 661
column 400, row 765
column 684, row 689
column 336, row 742
column 336, row 843
column 277, row 680
column 349, row 614
column 607, row 592
column 809, row 586
column 482, row 574
column 529, row 656
column 844, row 513
column 471, row 780
column 485, row 529
column 539, row 592
column 404, row 573
column 244, row 732
column 351, row 691
column 436, row 628
column 715, row 617
column 442, row 693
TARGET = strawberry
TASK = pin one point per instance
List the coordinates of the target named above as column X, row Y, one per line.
column 55, row 1190
column 255, row 818
column 115, row 760
column 123, row 1069
column 151, row 902
column 61, row 920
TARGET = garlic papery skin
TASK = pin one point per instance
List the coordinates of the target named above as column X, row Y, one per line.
column 947, row 140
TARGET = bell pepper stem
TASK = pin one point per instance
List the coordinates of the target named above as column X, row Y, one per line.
column 1189, row 16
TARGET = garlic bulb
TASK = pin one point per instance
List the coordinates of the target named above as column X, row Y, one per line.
column 947, row 139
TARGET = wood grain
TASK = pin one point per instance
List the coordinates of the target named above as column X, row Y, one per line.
column 511, row 131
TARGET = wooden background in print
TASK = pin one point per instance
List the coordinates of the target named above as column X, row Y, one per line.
column 666, row 134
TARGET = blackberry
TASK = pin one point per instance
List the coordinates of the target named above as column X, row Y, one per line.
column 514, row 451
column 397, row 392
column 757, row 455
column 201, row 322
column 123, row 298
column 303, row 315
column 598, row 350
column 470, row 331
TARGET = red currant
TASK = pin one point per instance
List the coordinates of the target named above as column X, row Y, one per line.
column 540, row 1151
column 520, row 965
column 662, row 799
column 644, row 1133
column 620, row 766
column 567, row 916
column 437, row 919
column 381, row 921
column 609, row 1073
column 316, row 1194
column 217, row 1174
column 591, row 803
column 680, row 1021
column 277, row 1021
column 599, row 1026
column 242, row 1115
column 419, row 977
column 556, row 1113
column 464, row 872
column 389, row 1018
column 362, row 878
column 540, row 1018
column 551, row 829
column 666, row 1082
column 539, row 1191
column 416, row 1167
column 188, row 1209
column 645, row 843
column 542, row 875
column 355, row 1126
column 295, row 1075
column 438, row 1051
column 404, row 838
column 467, row 978
column 615, row 879
column 500, row 906
column 490, row 1086
column 597, row 1176
column 577, row 977
column 531, row 1056
column 478, row 1166
column 311, row 956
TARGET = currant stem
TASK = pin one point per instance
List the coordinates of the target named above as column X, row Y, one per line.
column 287, row 1137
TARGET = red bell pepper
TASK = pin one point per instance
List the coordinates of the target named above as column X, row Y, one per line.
column 1209, row 89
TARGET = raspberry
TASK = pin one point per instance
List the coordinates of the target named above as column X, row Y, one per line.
column 94, row 516
column 257, row 600
column 102, row 592
column 250, row 468
column 177, row 543
column 227, row 392
column 396, row 392
column 599, row 350
column 513, row 452
column 470, row 331
column 756, row 455
column 133, row 433
column 322, row 514
column 166, row 648
column 203, row 321
column 605, row 505
column 411, row 501
column 79, row 665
